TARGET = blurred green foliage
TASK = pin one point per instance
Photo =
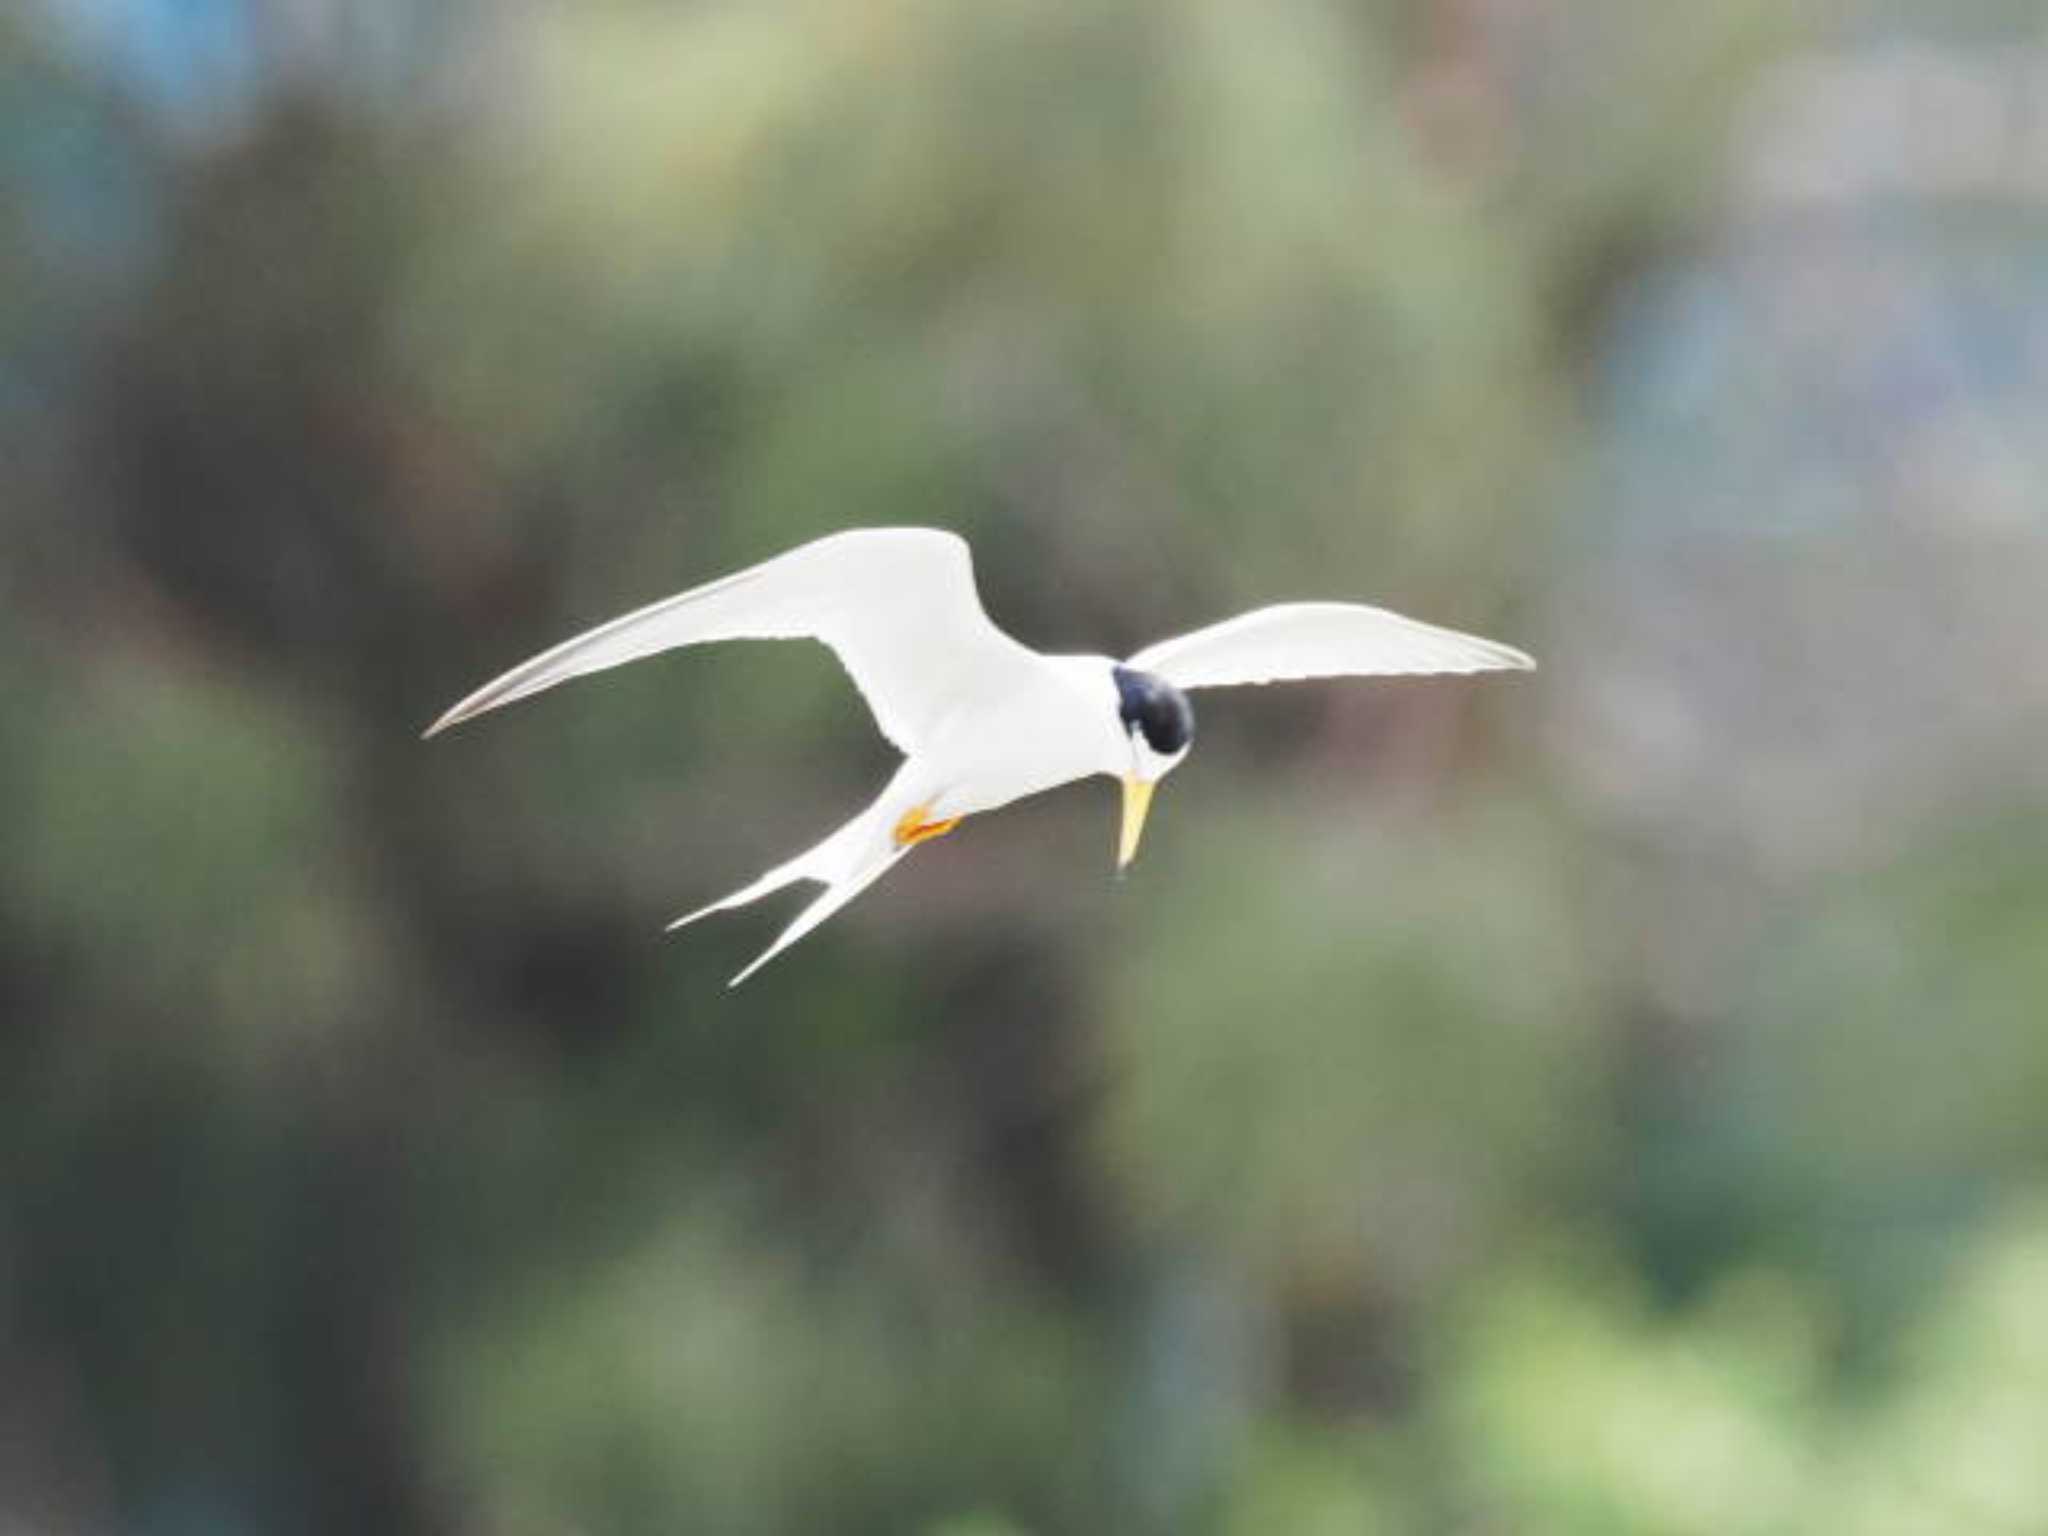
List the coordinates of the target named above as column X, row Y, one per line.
column 1603, row 1102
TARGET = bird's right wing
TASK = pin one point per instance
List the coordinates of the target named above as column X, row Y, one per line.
column 896, row 605
column 1296, row 640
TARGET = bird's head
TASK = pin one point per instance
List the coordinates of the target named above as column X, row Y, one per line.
column 1159, row 723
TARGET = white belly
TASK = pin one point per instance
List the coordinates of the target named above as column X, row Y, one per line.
column 1062, row 729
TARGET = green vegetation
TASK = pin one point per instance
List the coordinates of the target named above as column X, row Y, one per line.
column 1600, row 1102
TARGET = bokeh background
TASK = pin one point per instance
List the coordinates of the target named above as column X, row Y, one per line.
column 1609, row 1101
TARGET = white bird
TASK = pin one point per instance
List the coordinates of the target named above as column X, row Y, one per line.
column 980, row 719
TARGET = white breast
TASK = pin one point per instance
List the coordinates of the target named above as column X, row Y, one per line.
column 1061, row 727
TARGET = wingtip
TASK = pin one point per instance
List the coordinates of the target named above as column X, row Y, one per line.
column 454, row 715
column 469, row 706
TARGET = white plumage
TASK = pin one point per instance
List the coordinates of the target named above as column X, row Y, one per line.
column 981, row 720
column 1298, row 640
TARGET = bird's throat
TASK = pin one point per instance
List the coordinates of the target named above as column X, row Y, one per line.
column 912, row 828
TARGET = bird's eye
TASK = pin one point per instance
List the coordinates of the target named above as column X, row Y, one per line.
column 1156, row 708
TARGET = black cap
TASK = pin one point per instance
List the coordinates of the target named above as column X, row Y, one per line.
column 1153, row 705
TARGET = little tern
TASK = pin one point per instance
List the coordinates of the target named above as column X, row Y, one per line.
column 980, row 719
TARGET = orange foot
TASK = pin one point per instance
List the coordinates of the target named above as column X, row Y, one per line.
column 913, row 828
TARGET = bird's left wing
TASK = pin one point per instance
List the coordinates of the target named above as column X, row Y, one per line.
column 1296, row 640
column 896, row 605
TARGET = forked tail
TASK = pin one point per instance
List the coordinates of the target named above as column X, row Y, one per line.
column 846, row 863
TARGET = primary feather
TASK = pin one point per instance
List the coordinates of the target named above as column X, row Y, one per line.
column 1298, row 640
column 896, row 605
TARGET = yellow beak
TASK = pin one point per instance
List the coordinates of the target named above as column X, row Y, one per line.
column 1137, row 801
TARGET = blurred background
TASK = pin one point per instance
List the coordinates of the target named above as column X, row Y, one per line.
column 1614, row 1100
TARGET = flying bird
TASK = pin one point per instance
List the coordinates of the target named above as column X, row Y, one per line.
column 980, row 719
